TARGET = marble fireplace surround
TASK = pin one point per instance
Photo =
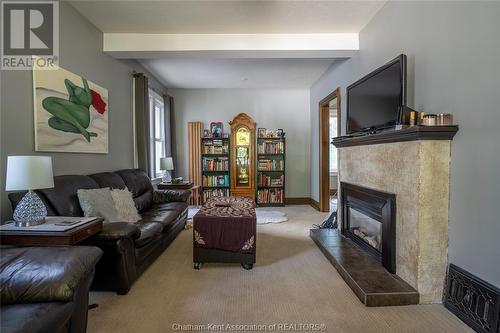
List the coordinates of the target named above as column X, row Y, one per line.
column 418, row 173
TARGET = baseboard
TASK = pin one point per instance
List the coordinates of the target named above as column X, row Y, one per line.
column 315, row 204
column 298, row 201
column 302, row 201
column 474, row 301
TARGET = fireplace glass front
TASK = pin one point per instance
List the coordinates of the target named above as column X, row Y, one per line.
column 369, row 219
column 365, row 228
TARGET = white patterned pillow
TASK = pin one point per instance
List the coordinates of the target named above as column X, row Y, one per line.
column 125, row 206
column 99, row 203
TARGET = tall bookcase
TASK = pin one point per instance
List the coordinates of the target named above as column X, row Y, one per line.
column 215, row 167
column 270, row 180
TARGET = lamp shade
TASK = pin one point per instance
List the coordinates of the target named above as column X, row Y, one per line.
column 166, row 163
column 29, row 173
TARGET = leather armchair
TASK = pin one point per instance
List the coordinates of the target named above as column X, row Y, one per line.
column 45, row 289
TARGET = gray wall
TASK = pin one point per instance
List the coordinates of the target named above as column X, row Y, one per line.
column 453, row 51
column 81, row 53
column 270, row 108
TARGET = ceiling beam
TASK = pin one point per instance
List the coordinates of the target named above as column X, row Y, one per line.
column 320, row 45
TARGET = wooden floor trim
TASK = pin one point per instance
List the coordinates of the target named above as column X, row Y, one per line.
column 302, row 201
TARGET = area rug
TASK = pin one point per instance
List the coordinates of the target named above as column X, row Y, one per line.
column 264, row 215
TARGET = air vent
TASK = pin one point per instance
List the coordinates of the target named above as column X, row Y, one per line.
column 473, row 300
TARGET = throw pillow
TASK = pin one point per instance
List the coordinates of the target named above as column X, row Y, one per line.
column 99, row 203
column 125, row 206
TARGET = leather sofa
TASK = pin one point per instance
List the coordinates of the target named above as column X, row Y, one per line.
column 46, row 289
column 129, row 248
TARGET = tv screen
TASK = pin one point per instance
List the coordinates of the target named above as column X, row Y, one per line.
column 377, row 100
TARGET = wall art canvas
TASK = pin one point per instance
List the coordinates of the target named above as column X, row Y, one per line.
column 71, row 113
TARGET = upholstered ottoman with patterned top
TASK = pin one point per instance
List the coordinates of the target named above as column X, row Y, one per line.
column 224, row 230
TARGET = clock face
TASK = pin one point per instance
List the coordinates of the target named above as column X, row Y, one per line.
column 242, row 137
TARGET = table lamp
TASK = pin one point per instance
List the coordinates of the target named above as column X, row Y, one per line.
column 29, row 173
column 166, row 164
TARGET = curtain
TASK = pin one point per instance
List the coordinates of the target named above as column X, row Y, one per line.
column 194, row 144
column 142, row 123
column 168, row 102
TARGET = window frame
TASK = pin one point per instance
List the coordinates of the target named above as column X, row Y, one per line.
column 156, row 101
column 333, row 122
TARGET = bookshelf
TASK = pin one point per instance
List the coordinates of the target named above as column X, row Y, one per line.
column 215, row 174
column 270, row 180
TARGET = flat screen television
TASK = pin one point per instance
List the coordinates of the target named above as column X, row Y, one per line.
column 377, row 100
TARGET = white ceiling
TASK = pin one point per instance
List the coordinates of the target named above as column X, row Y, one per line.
column 210, row 17
column 231, row 17
column 237, row 73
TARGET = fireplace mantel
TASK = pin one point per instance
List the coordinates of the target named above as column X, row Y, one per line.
column 406, row 134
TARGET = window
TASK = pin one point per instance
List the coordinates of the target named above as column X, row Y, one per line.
column 157, row 135
column 333, row 133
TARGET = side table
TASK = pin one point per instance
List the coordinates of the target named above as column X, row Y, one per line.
column 50, row 238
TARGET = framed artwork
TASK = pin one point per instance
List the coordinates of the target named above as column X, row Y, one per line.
column 216, row 129
column 261, row 132
column 206, row 133
column 279, row 133
column 70, row 113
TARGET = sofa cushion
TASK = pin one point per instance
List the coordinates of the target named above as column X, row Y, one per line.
column 44, row 274
column 108, row 179
column 125, row 206
column 163, row 217
column 112, row 232
column 139, row 184
column 164, row 196
column 63, row 197
column 98, row 202
column 35, row 317
column 175, row 206
column 149, row 232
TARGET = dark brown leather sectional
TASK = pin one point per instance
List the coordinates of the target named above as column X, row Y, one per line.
column 46, row 289
column 129, row 248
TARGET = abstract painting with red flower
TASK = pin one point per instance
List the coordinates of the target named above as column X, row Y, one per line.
column 71, row 113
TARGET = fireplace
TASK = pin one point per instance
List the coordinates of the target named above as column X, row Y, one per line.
column 368, row 219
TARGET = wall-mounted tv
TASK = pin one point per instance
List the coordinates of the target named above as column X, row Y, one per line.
column 377, row 100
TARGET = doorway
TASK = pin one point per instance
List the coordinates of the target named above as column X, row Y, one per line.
column 329, row 127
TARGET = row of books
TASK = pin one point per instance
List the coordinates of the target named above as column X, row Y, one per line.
column 219, row 192
column 215, row 164
column 265, row 196
column 270, row 165
column 215, row 180
column 215, row 147
column 271, row 147
column 265, row 180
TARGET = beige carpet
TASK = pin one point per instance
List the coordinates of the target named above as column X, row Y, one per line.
column 292, row 283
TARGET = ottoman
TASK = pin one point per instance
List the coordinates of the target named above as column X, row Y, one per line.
column 224, row 231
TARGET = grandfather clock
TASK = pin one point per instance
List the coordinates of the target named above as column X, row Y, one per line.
column 243, row 156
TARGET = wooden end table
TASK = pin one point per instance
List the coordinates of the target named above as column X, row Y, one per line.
column 51, row 238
